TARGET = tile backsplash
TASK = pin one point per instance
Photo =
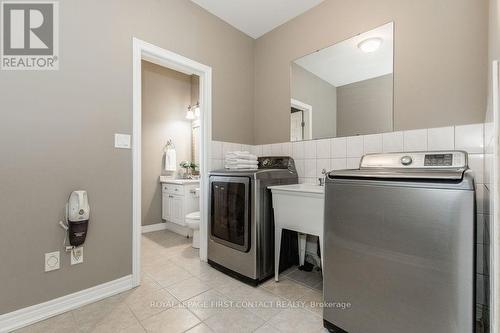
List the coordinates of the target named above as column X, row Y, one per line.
column 311, row 157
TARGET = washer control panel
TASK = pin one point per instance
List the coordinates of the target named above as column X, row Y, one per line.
column 275, row 162
column 417, row 160
column 438, row 160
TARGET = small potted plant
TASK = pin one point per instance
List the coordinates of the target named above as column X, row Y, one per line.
column 189, row 167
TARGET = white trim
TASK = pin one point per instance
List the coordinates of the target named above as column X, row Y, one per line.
column 165, row 58
column 153, row 227
column 304, row 107
column 495, row 230
column 32, row 314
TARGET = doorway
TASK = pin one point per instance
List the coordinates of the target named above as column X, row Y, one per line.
column 170, row 60
column 300, row 121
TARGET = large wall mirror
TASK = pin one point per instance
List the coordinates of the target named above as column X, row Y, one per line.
column 345, row 89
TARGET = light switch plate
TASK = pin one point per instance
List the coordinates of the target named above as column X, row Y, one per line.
column 52, row 261
column 122, row 141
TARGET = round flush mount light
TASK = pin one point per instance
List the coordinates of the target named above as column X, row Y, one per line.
column 370, row 45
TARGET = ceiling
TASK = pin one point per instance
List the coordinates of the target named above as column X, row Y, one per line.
column 256, row 17
column 345, row 63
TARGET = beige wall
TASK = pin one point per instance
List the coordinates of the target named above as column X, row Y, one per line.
column 310, row 89
column 57, row 136
column 166, row 95
column 440, row 67
column 365, row 107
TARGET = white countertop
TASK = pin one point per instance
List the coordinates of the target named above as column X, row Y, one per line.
column 305, row 188
column 167, row 180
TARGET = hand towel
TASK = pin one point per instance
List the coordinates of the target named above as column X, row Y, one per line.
column 170, row 160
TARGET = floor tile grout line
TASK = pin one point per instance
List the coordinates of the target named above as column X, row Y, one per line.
column 175, row 259
column 137, row 318
column 301, row 283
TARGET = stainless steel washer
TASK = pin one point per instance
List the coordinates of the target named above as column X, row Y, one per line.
column 241, row 220
column 399, row 245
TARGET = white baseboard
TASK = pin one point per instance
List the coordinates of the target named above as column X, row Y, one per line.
column 153, row 227
column 178, row 229
column 174, row 227
column 35, row 313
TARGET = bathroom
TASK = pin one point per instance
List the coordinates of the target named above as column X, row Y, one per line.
column 128, row 155
column 170, row 152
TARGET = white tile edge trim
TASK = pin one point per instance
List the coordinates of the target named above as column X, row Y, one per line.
column 35, row 313
column 153, row 227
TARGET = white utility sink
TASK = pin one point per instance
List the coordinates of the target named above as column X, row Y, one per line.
column 298, row 207
column 304, row 188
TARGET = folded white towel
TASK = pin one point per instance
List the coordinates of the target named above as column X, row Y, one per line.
column 241, row 167
column 244, row 155
column 241, row 161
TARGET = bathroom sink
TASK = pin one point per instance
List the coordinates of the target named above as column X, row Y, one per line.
column 167, row 180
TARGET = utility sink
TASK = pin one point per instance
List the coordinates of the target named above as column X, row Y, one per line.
column 304, row 188
column 298, row 207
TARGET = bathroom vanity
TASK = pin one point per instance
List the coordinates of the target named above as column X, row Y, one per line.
column 178, row 199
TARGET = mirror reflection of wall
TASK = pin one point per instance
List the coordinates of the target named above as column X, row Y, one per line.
column 345, row 89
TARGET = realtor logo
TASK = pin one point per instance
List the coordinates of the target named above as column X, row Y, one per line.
column 29, row 35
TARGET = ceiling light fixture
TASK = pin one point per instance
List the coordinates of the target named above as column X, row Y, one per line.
column 370, row 45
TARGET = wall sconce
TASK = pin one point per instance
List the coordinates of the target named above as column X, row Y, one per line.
column 197, row 110
column 190, row 113
column 193, row 112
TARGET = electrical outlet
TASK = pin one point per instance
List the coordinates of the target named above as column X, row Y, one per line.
column 77, row 255
column 52, row 261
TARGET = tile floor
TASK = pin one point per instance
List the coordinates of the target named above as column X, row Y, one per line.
column 179, row 293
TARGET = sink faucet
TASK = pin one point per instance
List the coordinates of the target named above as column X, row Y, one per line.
column 322, row 179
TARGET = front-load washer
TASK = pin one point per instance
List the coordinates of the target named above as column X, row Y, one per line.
column 399, row 245
column 241, row 220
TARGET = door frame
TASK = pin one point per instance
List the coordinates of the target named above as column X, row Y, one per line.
column 146, row 51
column 304, row 107
column 495, row 203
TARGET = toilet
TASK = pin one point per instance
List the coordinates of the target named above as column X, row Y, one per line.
column 193, row 222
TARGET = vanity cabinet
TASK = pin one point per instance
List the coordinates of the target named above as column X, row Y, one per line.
column 178, row 200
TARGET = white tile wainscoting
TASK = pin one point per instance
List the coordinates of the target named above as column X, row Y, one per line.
column 485, row 215
column 311, row 157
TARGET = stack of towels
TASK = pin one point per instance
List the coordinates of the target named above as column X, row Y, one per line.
column 241, row 160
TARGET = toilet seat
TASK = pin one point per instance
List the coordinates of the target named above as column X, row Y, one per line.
column 193, row 216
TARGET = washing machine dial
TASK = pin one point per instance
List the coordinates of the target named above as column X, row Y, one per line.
column 406, row 160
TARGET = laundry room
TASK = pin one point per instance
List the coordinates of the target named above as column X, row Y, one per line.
column 265, row 166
